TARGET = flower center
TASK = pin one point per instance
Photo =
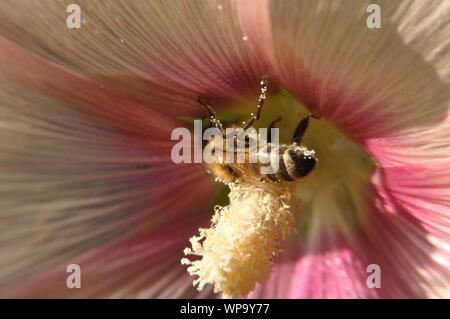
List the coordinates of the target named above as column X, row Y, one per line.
column 238, row 250
column 336, row 191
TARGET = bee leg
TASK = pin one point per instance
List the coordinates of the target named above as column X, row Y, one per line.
column 212, row 115
column 271, row 126
column 301, row 129
column 262, row 98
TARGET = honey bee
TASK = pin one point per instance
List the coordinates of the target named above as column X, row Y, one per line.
column 294, row 160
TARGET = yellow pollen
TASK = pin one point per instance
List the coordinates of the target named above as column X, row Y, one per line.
column 238, row 250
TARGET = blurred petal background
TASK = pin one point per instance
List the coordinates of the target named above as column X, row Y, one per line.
column 85, row 121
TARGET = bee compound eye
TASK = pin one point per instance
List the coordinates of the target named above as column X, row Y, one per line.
column 305, row 165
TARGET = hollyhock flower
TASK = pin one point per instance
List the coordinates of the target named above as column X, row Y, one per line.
column 86, row 118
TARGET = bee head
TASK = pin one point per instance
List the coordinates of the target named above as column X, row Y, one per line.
column 299, row 161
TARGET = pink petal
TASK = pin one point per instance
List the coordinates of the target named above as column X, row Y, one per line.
column 114, row 108
column 82, row 166
column 352, row 75
column 162, row 53
column 143, row 266
column 404, row 231
column 387, row 89
column 281, row 278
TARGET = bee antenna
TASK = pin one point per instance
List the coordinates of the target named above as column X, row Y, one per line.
column 262, row 97
column 211, row 113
